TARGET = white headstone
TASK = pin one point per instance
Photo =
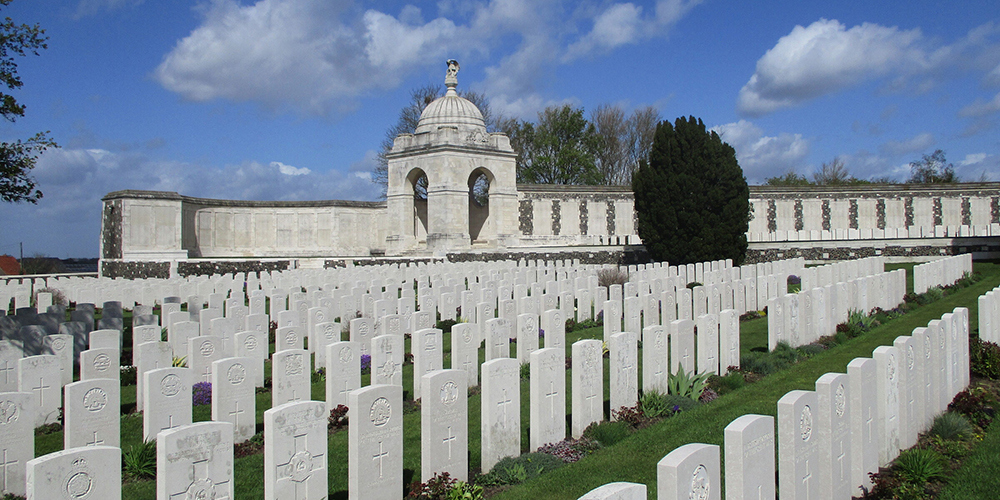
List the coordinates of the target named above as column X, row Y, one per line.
column 798, row 448
column 100, row 363
column 654, row 359
column 617, row 491
column 444, row 425
column 195, row 461
column 76, row 473
column 624, row 381
column 387, row 360
column 548, row 397
column 204, row 349
column 833, row 423
column 17, row 441
column 234, row 396
column 427, row 355
column 465, row 350
column 167, row 402
column 682, row 346
column 690, row 471
column 501, row 411
column 887, row 396
column 749, row 445
column 295, row 451
column 343, row 372
column 290, row 376
column 40, row 376
column 375, row 442
column 588, row 384
column 527, row 336
column 93, row 413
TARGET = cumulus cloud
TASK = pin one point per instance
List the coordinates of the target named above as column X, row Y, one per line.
column 319, row 56
column 624, row 23
column 825, row 57
column 763, row 156
column 915, row 144
column 74, row 180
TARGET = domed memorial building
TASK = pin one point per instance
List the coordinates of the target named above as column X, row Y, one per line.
column 452, row 195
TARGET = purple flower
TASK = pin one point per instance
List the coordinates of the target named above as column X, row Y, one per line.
column 541, row 333
column 366, row 363
column 201, row 393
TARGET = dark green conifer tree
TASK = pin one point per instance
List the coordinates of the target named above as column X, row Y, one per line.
column 691, row 198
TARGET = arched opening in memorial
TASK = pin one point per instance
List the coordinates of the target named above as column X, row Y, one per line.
column 418, row 183
column 479, row 205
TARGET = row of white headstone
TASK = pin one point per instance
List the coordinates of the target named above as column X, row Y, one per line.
column 940, row 272
column 836, row 272
column 802, row 318
column 829, row 439
column 989, row 316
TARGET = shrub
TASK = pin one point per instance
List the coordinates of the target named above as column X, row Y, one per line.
column 249, row 447
column 972, row 404
column 729, row 382
column 465, row 491
column 58, row 297
column 515, row 470
column 607, row 433
column 611, row 276
column 708, row 396
column 932, row 294
column 570, row 450
column 920, row 465
column 951, row 425
column 687, row 385
column 654, row 405
column 631, row 415
column 201, row 393
column 338, row 417
column 128, row 375
column 436, row 488
column 445, row 325
column 139, row 461
column 984, row 358
column 526, row 371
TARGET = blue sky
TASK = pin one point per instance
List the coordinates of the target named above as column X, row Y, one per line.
column 289, row 99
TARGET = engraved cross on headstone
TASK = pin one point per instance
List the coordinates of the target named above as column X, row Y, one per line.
column 95, row 441
column 5, row 464
column 551, row 395
column 4, row 369
column 503, row 407
column 41, row 389
column 379, row 457
column 448, row 440
column 237, row 411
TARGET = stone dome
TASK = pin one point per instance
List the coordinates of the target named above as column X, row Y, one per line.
column 451, row 110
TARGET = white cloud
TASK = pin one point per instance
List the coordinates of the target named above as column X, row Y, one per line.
column 623, row 24
column 914, row 144
column 289, row 170
column 979, row 167
column 825, row 57
column 74, row 180
column 319, row 56
column 763, row 156
column 972, row 159
column 981, row 107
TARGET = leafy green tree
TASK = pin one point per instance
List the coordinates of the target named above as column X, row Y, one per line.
column 932, row 169
column 18, row 158
column 560, row 149
column 789, row 178
column 691, row 198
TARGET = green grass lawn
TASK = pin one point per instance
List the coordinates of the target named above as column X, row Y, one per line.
column 633, row 459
